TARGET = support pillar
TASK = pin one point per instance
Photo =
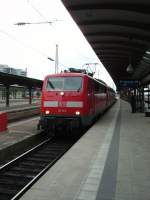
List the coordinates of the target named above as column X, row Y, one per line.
column 30, row 95
column 7, row 95
column 148, row 96
column 142, row 98
column 135, row 99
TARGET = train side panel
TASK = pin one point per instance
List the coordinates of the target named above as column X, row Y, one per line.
column 72, row 106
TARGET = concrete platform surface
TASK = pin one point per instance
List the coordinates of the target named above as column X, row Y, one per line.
column 18, row 131
column 18, row 106
column 18, row 137
column 110, row 162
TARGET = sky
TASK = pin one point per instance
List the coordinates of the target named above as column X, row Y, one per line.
column 29, row 46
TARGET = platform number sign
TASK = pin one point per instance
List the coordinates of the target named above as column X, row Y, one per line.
column 129, row 83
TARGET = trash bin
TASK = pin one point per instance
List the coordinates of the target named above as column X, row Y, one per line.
column 3, row 121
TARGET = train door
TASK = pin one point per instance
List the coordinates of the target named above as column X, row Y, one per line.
column 107, row 96
column 91, row 98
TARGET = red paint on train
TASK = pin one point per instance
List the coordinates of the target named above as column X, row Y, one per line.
column 73, row 100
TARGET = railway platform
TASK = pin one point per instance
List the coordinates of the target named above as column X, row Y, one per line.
column 18, row 138
column 110, row 162
column 19, row 135
column 20, row 111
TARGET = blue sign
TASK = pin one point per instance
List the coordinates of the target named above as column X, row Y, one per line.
column 129, row 83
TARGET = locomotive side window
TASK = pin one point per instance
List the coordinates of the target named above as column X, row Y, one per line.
column 103, row 89
column 96, row 88
column 64, row 83
column 89, row 87
column 99, row 89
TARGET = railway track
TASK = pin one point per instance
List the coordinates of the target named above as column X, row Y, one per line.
column 18, row 176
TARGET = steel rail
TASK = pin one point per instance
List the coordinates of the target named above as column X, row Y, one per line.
column 18, row 175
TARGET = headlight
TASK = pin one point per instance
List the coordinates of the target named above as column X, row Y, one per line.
column 77, row 112
column 47, row 112
column 62, row 93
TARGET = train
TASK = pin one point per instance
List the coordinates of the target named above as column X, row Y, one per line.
column 72, row 100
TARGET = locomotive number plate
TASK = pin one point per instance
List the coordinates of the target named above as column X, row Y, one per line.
column 62, row 104
column 62, row 110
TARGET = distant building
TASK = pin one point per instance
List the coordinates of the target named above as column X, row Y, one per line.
column 10, row 70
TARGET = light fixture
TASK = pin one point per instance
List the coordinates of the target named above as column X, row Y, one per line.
column 49, row 58
column 47, row 112
column 77, row 112
column 62, row 93
column 129, row 68
column 147, row 52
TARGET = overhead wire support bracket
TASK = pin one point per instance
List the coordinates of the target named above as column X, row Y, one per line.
column 26, row 23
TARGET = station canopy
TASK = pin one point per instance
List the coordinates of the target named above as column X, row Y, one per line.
column 10, row 79
column 119, row 33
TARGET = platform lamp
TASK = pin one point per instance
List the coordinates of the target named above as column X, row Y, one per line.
column 129, row 68
column 49, row 58
column 56, row 60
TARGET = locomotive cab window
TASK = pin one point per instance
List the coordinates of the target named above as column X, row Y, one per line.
column 64, row 83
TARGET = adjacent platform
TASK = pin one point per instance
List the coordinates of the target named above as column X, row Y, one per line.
column 18, row 131
column 19, row 137
column 16, row 113
column 110, row 162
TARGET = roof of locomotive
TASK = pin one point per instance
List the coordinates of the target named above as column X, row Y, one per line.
column 64, row 74
column 73, row 74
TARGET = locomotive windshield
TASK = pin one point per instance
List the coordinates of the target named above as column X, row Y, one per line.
column 64, row 83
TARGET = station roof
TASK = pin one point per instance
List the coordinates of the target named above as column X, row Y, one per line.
column 119, row 33
column 10, row 79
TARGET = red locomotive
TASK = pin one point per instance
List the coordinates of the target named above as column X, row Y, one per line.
column 72, row 100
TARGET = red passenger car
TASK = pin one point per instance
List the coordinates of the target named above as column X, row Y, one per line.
column 72, row 100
